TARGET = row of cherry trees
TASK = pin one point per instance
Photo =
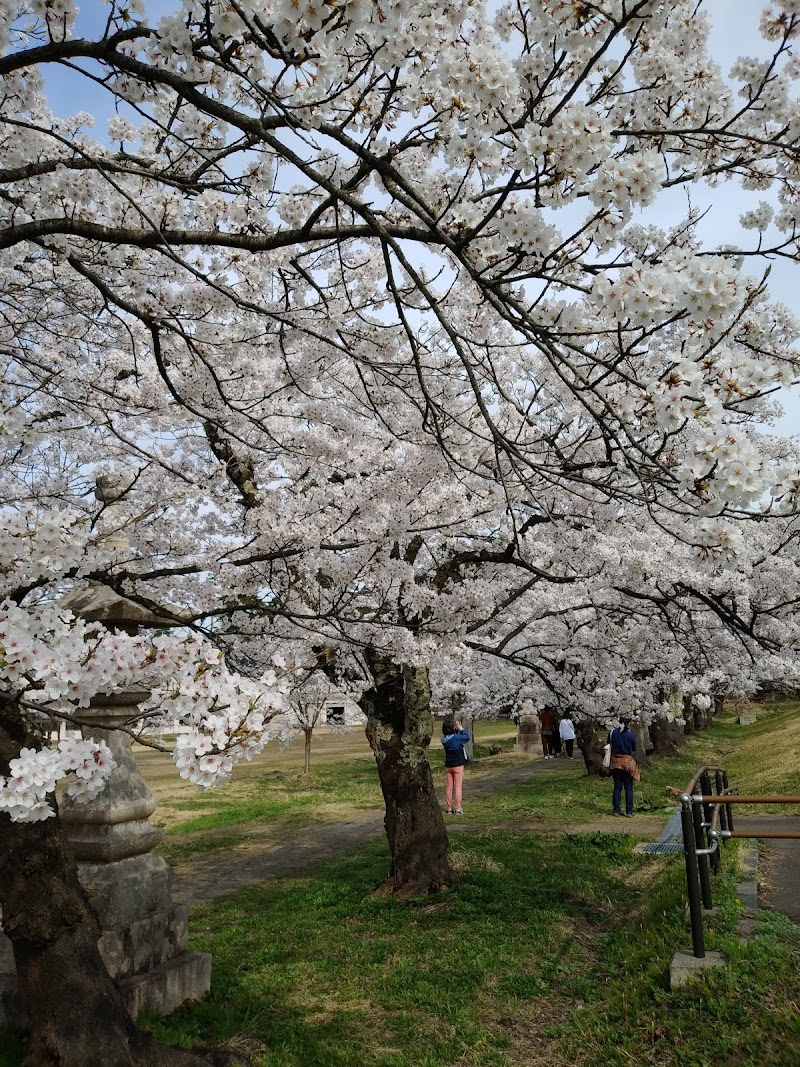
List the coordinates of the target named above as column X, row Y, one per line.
column 355, row 327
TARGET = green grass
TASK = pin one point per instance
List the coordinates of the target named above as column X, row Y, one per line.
column 760, row 759
column 322, row 972
column 551, row 951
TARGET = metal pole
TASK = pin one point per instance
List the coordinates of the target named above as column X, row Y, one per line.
column 728, row 807
column 760, row 834
column 707, row 789
column 692, row 877
column 702, row 861
column 708, row 792
column 737, row 798
column 723, row 810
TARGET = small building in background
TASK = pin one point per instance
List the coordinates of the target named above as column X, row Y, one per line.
column 341, row 710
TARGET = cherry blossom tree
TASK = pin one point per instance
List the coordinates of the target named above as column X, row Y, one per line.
column 306, row 708
column 367, row 312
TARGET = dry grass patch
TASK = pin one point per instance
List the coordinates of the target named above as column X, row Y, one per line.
column 462, row 861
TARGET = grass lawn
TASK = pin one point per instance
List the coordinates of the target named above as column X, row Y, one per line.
column 272, row 797
column 552, row 950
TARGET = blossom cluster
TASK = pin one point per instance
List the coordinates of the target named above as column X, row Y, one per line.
column 34, row 774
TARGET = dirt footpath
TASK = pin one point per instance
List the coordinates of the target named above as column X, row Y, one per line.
column 259, row 857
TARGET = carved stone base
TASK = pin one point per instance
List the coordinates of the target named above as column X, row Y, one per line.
column 162, row 989
column 165, row 987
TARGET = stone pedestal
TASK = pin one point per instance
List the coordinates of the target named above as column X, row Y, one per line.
column 529, row 738
column 144, row 932
column 143, row 943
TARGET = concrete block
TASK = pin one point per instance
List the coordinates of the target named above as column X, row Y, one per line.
column 747, row 720
column 145, row 943
column 128, row 889
column 684, row 966
column 166, row 987
column 113, row 841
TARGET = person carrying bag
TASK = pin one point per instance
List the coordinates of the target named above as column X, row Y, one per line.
column 623, row 766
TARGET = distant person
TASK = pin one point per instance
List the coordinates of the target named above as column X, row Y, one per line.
column 624, row 768
column 556, row 739
column 566, row 730
column 548, row 732
column 454, row 737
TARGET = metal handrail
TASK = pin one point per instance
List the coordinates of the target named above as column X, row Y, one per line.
column 707, row 823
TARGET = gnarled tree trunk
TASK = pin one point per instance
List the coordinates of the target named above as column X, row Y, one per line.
column 667, row 735
column 591, row 742
column 76, row 1012
column 399, row 727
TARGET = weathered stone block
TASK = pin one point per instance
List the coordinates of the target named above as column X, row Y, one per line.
column 166, row 987
column 116, row 841
column 145, row 943
column 127, row 890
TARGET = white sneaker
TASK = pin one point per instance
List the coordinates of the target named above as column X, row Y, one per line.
column 458, row 811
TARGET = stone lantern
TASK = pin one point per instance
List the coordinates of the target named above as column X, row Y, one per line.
column 144, row 932
column 528, row 730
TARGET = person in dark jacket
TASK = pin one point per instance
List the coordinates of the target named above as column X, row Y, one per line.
column 549, row 731
column 454, row 737
column 624, row 768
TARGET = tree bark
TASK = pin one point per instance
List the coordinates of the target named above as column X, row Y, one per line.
column 591, row 742
column 399, row 728
column 689, row 726
column 307, row 752
column 76, row 1012
column 667, row 736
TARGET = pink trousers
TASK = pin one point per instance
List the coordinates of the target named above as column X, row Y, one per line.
column 452, row 794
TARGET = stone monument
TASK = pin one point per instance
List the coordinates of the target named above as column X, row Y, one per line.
column 144, row 932
column 529, row 738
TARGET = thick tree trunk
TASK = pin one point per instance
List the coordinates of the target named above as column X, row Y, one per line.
column 307, row 752
column 667, row 736
column 591, row 742
column 688, row 716
column 399, row 727
column 77, row 1015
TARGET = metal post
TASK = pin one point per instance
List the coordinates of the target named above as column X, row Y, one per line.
column 692, row 877
column 706, row 790
column 703, row 840
column 723, row 808
column 702, row 860
column 728, row 807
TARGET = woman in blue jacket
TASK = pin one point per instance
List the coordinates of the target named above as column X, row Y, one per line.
column 454, row 737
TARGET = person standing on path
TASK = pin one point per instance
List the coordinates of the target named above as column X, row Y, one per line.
column 624, row 768
column 566, row 729
column 454, row 737
column 548, row 730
